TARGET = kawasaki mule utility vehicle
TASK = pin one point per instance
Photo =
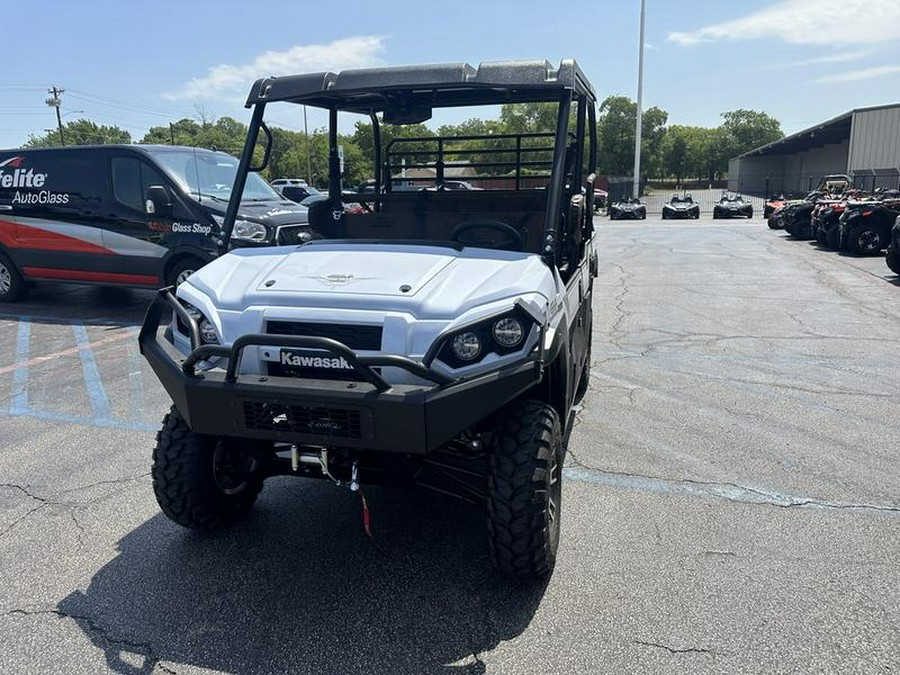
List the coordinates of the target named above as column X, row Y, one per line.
column 439, row 338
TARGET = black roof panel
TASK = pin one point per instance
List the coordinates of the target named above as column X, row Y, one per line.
column 367, row 90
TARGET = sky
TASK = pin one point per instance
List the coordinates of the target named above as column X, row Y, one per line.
column 141, row 64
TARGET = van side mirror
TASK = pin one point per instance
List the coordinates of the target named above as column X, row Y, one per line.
column 157, row 201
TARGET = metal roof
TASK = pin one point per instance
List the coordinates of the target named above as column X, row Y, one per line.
column 834, row 130
column 369, row 90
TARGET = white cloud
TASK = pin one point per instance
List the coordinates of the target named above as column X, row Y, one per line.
column 854, row 75
column 808, row 22
column 840, row 57
column 224, row 80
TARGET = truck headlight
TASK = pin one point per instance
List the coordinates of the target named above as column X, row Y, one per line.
column 466, row 346
column 208, row 334
column 508, row 332
column 501, row 334
column 246, row 230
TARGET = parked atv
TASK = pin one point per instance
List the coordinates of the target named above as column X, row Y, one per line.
column 892, row 255
column 797, row 220
column 865, row 228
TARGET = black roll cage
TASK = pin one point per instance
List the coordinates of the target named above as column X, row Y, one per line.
column 370, row 91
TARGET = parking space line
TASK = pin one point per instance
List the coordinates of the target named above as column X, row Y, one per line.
column 65, row 352
column 18, row 402
column 100, row 407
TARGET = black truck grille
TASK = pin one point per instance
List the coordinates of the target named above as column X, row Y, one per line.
column 357, row 337
column 301, row 419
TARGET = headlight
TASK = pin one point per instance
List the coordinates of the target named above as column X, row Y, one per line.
column 208, row 334
column 501, row 335
column 245, row 230
column 466, row 346
column 508, row 332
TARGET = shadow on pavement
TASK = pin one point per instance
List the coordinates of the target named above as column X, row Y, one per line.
column 75, row 303
column 297, row 587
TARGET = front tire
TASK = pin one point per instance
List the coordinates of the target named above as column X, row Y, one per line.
column 525, row 489
column 892, row 258
column 12, row 285
column 181, row 270
column 866, row 241
column 202, row 482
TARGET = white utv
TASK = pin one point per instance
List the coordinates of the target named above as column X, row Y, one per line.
column 441, row 338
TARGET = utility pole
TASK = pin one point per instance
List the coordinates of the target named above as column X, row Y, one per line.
column 640, row 110
column 309, row 177
column 54, row 102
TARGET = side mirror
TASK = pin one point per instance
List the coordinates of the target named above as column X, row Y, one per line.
column 157, row 201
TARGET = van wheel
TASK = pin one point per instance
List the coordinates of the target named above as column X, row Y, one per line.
column 181, row 270
column 202, row 482
column 525, row 489
column 12, row 285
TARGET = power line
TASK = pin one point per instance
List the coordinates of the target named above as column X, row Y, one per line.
column 128, row 105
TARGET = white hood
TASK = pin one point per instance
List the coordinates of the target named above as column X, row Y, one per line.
column 429, row 282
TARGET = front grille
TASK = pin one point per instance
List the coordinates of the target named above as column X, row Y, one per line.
column 290, row 234
column 278, row 369
column 301, row 419
column 357, row 337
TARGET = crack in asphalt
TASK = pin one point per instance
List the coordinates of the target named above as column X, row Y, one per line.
column 732, row 492
column 676, row 650
column 25, row 490
column 145, row 648
column 67, row 504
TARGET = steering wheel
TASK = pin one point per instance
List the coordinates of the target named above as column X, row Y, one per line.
column 511, row 241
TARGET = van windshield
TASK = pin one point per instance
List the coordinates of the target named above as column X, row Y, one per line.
column 203, row 173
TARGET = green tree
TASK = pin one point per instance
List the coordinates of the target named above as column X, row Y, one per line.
column 80, row 132
column 748, row 129
column 225, row 134
column 528, row 118
column 615, row 134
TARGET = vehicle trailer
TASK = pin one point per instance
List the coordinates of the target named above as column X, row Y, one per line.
column 441, row 338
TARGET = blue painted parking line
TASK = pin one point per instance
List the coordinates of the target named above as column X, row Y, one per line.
column 102, row 413
column 18, row 401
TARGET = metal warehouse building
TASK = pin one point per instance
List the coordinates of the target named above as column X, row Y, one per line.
column 863, row 143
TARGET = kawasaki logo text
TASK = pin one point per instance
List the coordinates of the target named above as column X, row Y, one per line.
column 289, row 359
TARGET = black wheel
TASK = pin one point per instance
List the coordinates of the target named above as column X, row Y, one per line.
column 832, row 237
column 525, row 489
column 665, row 216
column 773, row 223
column 202, row 482
column 715, row 215
column 12, row 285
column 181, row 270
column 865, row 241
column 892, row 258
column 822, row 236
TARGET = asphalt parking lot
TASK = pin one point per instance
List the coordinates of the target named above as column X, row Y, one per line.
column 731, row 502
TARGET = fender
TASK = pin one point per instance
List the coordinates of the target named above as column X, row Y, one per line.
column 555, row 385
column 183, row 251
